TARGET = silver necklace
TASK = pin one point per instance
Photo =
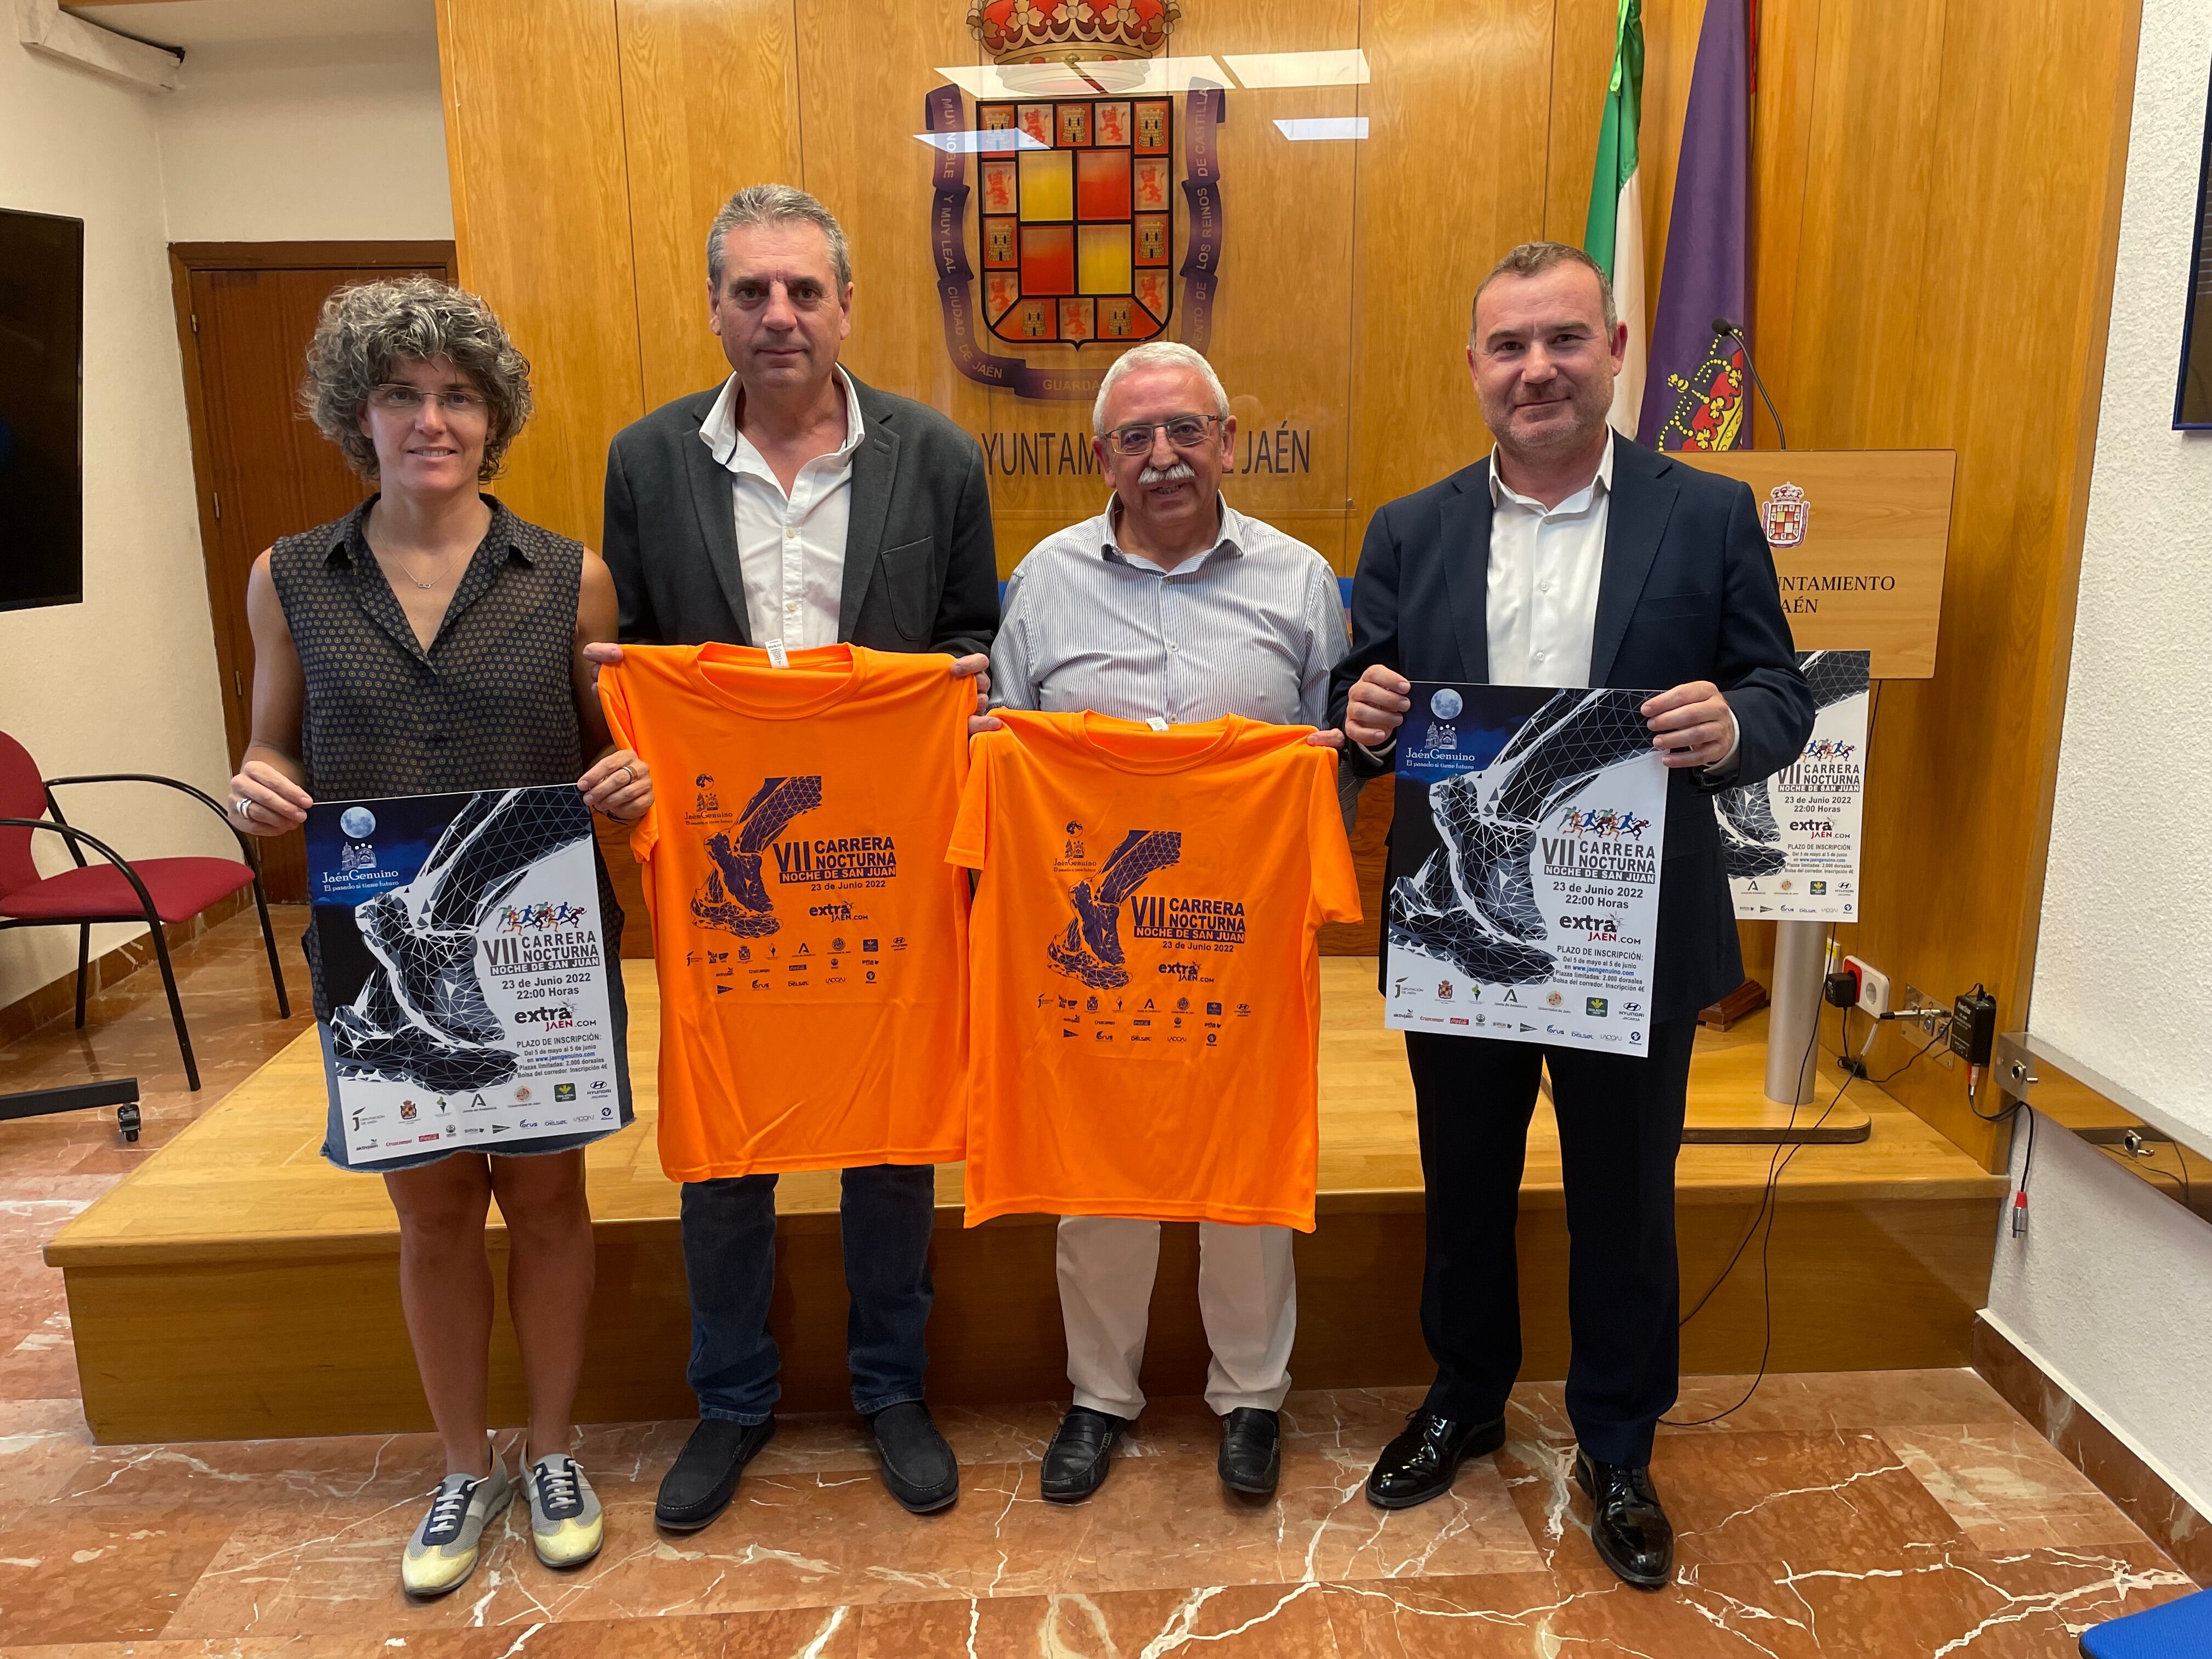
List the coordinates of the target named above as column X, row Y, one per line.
column 427, row 588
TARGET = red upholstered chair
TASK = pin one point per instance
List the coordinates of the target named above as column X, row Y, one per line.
column 151, row 891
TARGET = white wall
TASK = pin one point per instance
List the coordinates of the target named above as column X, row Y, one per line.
column 125, row 681
column 294, row 120
column 2111, row 1287
column 323, row 139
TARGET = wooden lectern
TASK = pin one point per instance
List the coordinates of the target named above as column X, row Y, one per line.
column 1859, row 537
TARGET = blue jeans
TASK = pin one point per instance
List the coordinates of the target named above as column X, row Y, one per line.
column 885, row 1212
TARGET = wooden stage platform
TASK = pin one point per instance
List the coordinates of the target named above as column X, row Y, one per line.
column 236, row 1286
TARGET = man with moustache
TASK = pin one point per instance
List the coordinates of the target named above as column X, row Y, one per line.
column 793, row 503
column 1170, row 606
column 1571, row 557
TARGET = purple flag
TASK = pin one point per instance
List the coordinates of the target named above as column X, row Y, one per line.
column 1693, row 390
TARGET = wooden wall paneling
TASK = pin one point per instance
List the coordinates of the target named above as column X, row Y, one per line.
column 709, row 104
column 1449, row 177
column 1582, row 65
column 1283, row 327
column 1781, row 152
column 2022, row 192
column 2094, row 310
column 1863, row 228
column 541, row 220
column 860, row 110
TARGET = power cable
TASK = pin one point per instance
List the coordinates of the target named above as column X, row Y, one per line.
column 1769, row 1211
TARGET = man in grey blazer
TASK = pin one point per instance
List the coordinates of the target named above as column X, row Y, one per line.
column 793, row 504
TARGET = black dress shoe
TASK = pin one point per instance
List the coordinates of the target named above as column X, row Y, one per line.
column 1076, row 1462
column 919, row 1467
column 698, row 1484
column 1419, row 1464
column 1251, row 1451
column 1629, row 1529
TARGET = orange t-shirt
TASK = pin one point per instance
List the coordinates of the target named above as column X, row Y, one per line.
column 1143, row 972
column 808, row 937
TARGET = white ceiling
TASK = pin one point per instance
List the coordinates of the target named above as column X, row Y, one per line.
column 190, row 23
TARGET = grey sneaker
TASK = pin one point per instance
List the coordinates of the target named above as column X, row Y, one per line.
column 443, row 1551
column 566, row 1527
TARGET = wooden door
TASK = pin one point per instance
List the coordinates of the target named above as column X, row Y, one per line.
column 245, row 315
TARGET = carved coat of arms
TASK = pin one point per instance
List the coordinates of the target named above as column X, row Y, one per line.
column 1075, row 189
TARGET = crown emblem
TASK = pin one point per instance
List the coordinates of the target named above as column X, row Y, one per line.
column 1785, row 515
column 1071, row 31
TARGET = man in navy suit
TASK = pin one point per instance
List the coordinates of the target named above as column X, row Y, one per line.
column 1573, row 557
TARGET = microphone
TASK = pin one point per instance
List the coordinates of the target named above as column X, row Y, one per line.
column 1722, row 326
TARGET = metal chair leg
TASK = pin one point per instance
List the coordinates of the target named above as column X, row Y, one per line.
column 269, row 939
column 176, row 1008
column 83, row 958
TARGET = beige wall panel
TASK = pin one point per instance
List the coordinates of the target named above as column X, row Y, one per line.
column 541, row 224
column 710, row 104
column 1451, row 175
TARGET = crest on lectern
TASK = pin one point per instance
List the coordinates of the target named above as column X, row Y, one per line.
column 1077, row 145
column 1785, row 515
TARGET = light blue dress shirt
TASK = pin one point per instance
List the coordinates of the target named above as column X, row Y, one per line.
column 1251, row 626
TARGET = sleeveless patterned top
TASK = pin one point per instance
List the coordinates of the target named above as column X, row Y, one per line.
column 490, row 705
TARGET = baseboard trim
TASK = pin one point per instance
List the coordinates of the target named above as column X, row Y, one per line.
column 2128, row 1474
column 52, row 1001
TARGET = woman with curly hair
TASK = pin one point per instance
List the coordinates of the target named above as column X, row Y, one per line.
column 430, row 641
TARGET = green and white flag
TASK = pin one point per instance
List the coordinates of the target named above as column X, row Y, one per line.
column 1614, row 235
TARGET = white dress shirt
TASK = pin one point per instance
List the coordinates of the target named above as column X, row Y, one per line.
column 1545, row 563
column 791, row 548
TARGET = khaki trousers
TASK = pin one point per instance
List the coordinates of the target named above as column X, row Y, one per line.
column 1247, row 1295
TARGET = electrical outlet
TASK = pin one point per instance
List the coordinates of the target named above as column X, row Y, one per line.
column 1874, row 987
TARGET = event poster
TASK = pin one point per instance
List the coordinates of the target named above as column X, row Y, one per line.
column 1523, row 897
column 465, row 970
column 1791, row 841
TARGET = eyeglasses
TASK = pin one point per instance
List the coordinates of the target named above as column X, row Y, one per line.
column 1184, row 432
column 407, row 400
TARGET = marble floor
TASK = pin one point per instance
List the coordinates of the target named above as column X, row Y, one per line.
column 1867, row 1514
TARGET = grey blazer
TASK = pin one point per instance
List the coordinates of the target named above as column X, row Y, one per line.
column 921, row 573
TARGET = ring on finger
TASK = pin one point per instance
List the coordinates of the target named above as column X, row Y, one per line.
column 244, row 807
column 628, row 777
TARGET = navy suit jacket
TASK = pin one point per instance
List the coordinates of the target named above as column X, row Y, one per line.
column 1687, row 592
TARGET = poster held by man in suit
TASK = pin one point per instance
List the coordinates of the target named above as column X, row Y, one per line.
column 1526, row 845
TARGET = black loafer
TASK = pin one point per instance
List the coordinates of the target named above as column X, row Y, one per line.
column 1421, row 1463
column 919, row 1467
column 1076, row 1462
column 1251, row 1451
column 1629, row 1529
column 699, row 1483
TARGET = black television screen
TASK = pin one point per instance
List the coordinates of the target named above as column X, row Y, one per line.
column 41, row 406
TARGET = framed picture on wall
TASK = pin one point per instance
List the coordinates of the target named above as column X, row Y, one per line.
column 2192, row 400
